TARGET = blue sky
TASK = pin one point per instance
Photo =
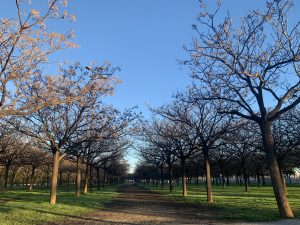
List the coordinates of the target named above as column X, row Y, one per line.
column 143, row 37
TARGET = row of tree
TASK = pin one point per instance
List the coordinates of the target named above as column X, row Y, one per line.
column 31, row 167
column 94, row 134
column 247, row 75
column 188, row 139
column 60, row 115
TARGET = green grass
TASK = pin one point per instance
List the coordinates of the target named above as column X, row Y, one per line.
column 234, row 204
column 23, row 207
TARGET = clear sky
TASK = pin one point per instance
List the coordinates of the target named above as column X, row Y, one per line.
column 143, row 37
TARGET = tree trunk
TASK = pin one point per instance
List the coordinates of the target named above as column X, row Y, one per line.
column 208, row 178
column 197, row 176
column 162, row 177
column 245, row 176
column 290, row 180
column 98, row 178
column 278, row 188
column 54, row 178
column 183, row 178
column 258, row 179
column 32, row 179
column 78, row 177
column 91, row 179
column 48, row 176
column 263, row 180
column 282, row 178
column 27, row 179
column 170, row 177
column 223, row 180
column 13, row 176
column 60, row 179
column 86, row 178
column 68, row 180
column 7, row 166
column 104, row 178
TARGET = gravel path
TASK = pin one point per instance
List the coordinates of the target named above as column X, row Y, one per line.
column 136, row 205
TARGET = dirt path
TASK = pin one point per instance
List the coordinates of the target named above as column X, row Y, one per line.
column 136, row 205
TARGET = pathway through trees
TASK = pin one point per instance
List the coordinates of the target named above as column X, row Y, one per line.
column 136, row 205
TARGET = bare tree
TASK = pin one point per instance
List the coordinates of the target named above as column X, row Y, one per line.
column 12, row 149
column 35, row 158
column 204, row 122
column 251, row 71
column 242, row 146
column 286, row 141
column 25, row 45
column 52, row 127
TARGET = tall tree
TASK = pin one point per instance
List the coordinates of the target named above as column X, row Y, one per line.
column 26, row 42
column 12, row 150
column 204, row 122
column 52, row 127
column 251, row 71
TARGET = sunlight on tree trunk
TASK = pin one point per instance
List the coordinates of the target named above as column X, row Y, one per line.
column 78, row 177
column 86, row 179
column 54, row 178
column 278, row 187
column 208, row 180
column 32, row 179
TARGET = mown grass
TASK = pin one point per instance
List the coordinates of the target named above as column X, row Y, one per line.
column 24, row 207
column 234, row 204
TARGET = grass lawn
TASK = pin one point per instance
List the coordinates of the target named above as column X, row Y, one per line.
column 234, row 204
column 24, row 207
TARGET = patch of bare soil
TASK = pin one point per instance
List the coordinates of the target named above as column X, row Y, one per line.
column 136, row 205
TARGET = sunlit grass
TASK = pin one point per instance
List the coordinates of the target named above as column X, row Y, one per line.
column 234, row 204
column 23, row 207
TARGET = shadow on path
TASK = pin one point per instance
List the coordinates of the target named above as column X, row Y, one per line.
column 137, row 205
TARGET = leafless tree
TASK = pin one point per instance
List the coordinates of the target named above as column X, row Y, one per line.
column 12, row 149
column 203, row 120
column 251, row 71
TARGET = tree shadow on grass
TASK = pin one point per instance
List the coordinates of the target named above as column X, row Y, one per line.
column 91, row 200
column 60, row 216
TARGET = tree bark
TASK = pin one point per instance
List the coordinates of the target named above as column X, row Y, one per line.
column 54, row 178
column 68, row 180
column 208, row 178
column 104, row 178
column 278, row 188
column 98, row 178
column 86, row 178
column 13, row 176
column 91, row 179
column 263, row 180
column 60, row 179
column 7, row 166
column 170, row 177
column 48, row 175
column 162, row 177
column 245, row 177
column 282, row 178
column 78, row 177
column 183, row 178
column 258, row 180
column 32, row 178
